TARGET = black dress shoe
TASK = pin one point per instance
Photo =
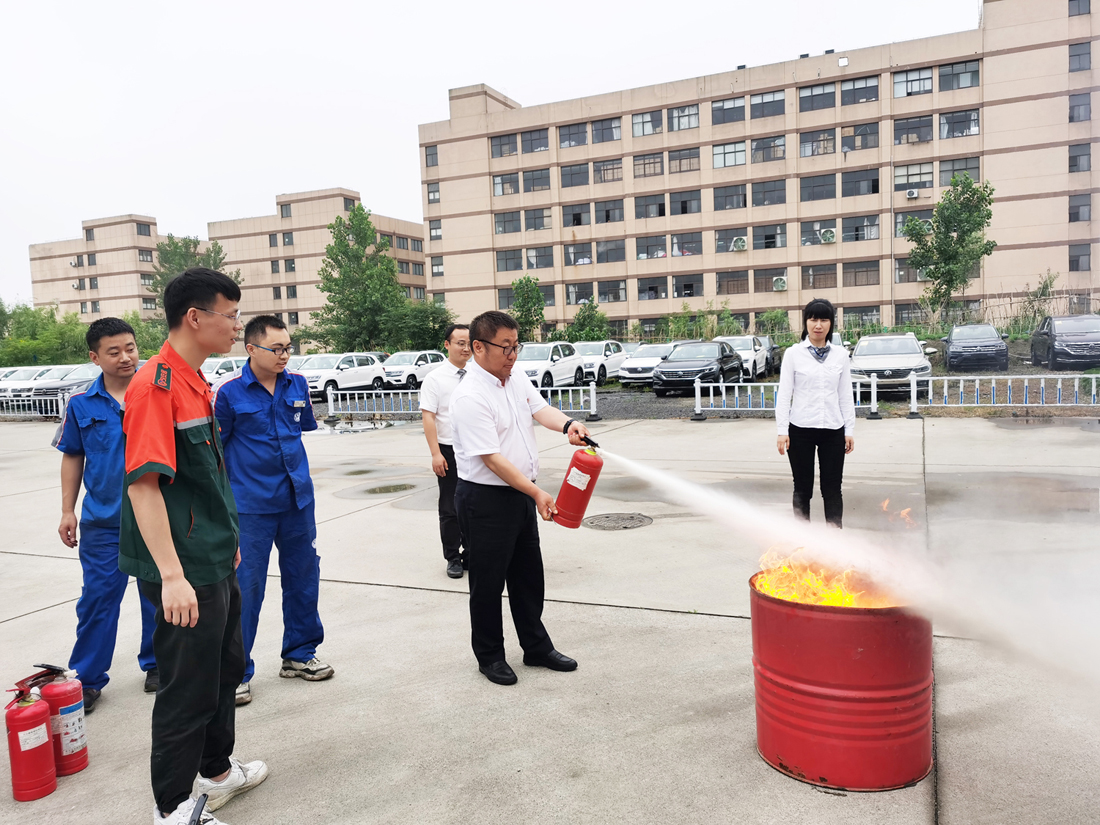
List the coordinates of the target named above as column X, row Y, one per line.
column 152, row 681
column 499, row 673
column 552, row 660
column 91, row 696
column 454, row 569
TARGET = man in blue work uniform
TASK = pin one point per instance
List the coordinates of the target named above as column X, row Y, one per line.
column 90, row 436
column 262, row 410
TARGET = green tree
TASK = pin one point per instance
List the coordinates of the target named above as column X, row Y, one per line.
column 527, row 306
column 5, row 318
column 727, row 324
column 589, row 324
column 149, row 333
column 177, row 254
column 422, row 324
column 951, row 249
column 366, row 304
column 773, row 321
column 36, row 336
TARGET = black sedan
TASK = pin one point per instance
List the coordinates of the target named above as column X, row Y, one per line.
column 975, row 345
column 714, row 362
column 1068, row 339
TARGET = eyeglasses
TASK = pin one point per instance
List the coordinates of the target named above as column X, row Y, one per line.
column 279, row 352
column 507, row 350
column 234, row 317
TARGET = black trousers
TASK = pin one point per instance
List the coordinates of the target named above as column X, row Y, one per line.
column 449, row 532
column 501, row 533
column 829, row 445
column 200, row 668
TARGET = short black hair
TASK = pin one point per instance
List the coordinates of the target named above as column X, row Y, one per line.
column 196, row 287
column 105, row 328
column 484, row 327
column 256, row 328
column 449, row 330
column 822, row 309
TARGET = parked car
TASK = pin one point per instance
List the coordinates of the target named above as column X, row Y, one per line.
column 296, row 362
column 772, row 349
column 602, row 359
column 713, row 362
column 754, row 357
column 346, row 371
column 407, row 370
column 638, row 368
column 214, row 369
column 1067, row 339
column 631, row 348
column 380, row 356
column 975, row 345
column 551, row 365
column 24, row 387
column 19, row 377
column 892, row 357
column 48, row 390
column 837, row 341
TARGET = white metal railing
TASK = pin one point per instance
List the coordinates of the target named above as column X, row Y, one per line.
column 406, row 403
column 573, row 399
column 23, row 409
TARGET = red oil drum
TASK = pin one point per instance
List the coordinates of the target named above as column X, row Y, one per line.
column 843, row 694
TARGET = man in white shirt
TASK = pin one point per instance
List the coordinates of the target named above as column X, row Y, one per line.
column 435, row 408
column 498, row 503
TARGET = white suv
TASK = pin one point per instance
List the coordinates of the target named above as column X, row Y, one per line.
column 602, row 359
column 215, row 369
column 349, row 371
column 551, row 365
column 407, row 370
column 754, row 357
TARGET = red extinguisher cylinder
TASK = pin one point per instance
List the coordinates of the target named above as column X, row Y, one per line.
column 65, row 696
column 33, row 774
column 576, row 489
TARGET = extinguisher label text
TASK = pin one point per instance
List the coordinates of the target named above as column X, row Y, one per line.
column 68, row 724
column 578, row 479
column 33, row 738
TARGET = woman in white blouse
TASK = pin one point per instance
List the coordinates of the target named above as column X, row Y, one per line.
column 815, row 411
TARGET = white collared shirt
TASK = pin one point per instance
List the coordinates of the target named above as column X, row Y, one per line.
column 435, row 397
column 489, row 417
column 813, row 393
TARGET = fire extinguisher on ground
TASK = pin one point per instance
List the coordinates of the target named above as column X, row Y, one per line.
column 576, row 489
column 27, row 718
column 65, row 695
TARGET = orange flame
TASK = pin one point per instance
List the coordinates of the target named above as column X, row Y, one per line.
column 795, row 578
column 901, row 515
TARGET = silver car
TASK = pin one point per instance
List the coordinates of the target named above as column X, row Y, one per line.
column 891, row 357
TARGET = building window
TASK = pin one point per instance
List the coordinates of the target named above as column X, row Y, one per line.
column 505, row 298
column 861, row 273
column 649, row 123
column 1080, row 108
column 860, row 90
column 607, row 171
column 653, row 247
column 81, row 284
column 769, row 148
column 914, row 176
column 605, row 131
column 733, row 283
column 771, row 236
column 148, row 303
column 1080, row 209
column 418, row 269
column 503, row 146
column 767, row 105
column 610, row 251
column 611, row 292
column 433, row 193
column 284, row 210
column 288, row 265
column 537, row 218
column 273, row 239
column 439, row 298
column 763, row 279
column 437, row 266
column 274, row 267
column 540, row 257
column 609, row 211
column 730, row 110
column 913, row 130
column 652, row 289
column 80, row 259
column 959, row 166
column 577, row 254
column 729, row 154
column 547, row 295
column 687, row 286
column 288, row 239
column 402, row 243
column 811, row 232
column 145, row 255
column 820, row 276
column 812, row 98
column 769, row 192
column 686, row 244
column 537, row 180
column 683, row 117
column 431, row 158
column 683, row 160
column 905, row 274
column 959, row 124
column 959, row 76
column 862, row 228
column 277, row 292
column 685, row 203
column 402, row 269
column 93, row 283
column 1078, row 7
column 386, row 240
column 822, row 142
column 908, row 314
column 574, row 175
column 144, row 229
column 505, row 223
column 509, row 260
column 650, row 206
column 915, row 82
column 91, row 259
column 1080, row 57
column 292, row 291
column 577, row 214
column 435, row 230
column 864, row 182
column 863, row 136
column 818, row 188
column 578, row 293
column 537, row 140
column 1080, row 158
column 292, row 317
column 646, row 166
column 923, row 215
column 725, row 239
column 83, row 307
column 506, row 184
column 349, row 204
column 417, row 245
column 861, row 316
column 729, row 197
column 576, row 134
column 146, row 279
column 89, row 234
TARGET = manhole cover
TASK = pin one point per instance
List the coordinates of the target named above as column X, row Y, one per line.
column 390, row 488
column 617, row 521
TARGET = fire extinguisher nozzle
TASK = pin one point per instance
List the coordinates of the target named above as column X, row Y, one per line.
column 589, row 442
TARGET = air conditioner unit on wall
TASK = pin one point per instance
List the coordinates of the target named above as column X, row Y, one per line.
column 828, row 236
column 779, row 283
column 740, row 244
column 912, row 194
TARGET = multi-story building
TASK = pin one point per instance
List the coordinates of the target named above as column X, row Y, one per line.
column 762, row 187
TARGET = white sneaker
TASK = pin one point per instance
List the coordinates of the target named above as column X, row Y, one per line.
column 182, row 815
column 241, row 778
column 244, row 693
column 314, row 670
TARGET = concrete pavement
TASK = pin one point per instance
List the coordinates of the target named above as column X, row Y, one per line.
column 657, row 725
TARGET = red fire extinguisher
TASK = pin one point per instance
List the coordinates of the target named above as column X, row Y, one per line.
column 65, row 695
column 33, row 774
column 576, row 489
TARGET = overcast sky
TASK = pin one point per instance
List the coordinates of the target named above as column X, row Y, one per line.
column 200, row 111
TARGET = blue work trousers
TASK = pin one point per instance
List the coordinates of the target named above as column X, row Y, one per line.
column 294, row 532
column 97, row 610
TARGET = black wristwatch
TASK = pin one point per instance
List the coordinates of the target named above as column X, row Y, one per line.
column 568, row 424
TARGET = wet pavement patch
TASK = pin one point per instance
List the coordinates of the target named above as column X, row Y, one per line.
column 389, row 488
column 1089, row 425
